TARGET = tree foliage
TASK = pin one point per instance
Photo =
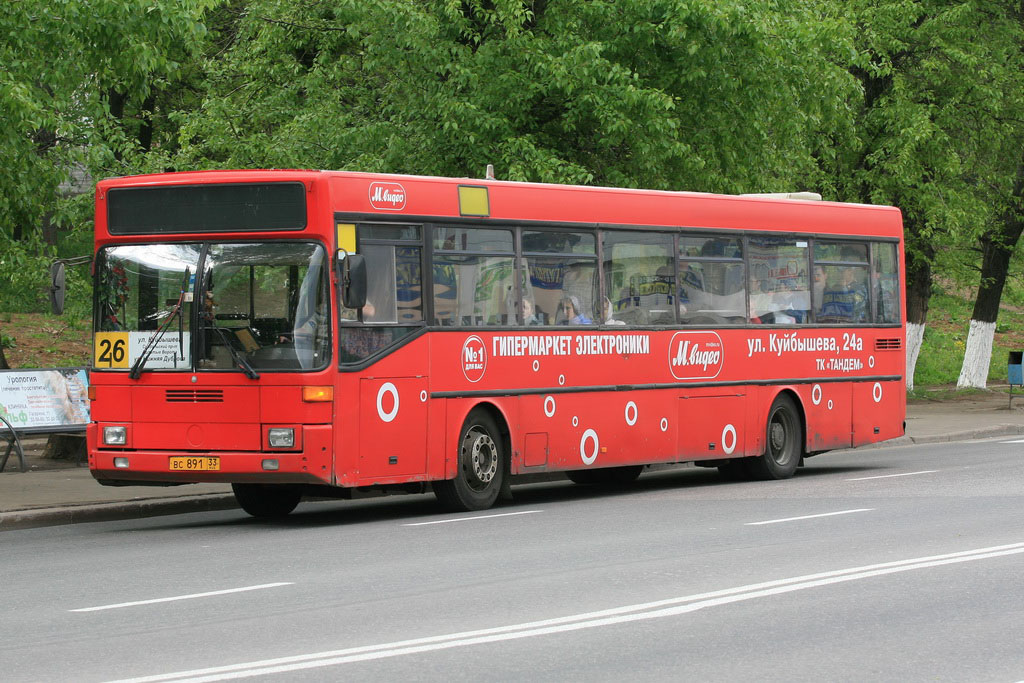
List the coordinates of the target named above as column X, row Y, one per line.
column 916, row 103
column 77, row 78
column 706, row 95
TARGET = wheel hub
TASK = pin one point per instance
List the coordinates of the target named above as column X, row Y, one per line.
column 778, row 436
column 483, row 457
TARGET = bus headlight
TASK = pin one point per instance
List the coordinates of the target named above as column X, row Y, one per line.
column 115, row 436
column 281, row 437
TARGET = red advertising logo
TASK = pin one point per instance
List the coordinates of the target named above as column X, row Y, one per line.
column 474, row 359
column 387, row 196
column 695, row 355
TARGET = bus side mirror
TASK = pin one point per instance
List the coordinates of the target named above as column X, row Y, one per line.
column 352, row 276
column 57, row 287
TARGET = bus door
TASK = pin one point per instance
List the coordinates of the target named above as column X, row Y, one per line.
column 394, row 388
column 392, row 427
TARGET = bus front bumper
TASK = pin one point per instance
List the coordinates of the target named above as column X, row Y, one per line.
column 132, row 467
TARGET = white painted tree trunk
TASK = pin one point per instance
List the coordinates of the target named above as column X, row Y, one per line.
column 977, row 355
column 915, row 333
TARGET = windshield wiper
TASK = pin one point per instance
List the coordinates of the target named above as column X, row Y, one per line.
column 140, row 362
column 239, row 359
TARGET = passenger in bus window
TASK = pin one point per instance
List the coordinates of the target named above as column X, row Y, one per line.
column 609, row 314
column 884, row 290
column 818, row 287
column 529, row 316
column 845, row 296
column 569, row 312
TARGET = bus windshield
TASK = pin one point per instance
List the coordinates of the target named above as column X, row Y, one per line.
column 213, row 306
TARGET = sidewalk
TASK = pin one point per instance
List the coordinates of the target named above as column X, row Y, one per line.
column 61, row 492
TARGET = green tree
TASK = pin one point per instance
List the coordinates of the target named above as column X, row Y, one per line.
column 994, row 132
column 77, row 90
column 702, row 95
column 914, row 61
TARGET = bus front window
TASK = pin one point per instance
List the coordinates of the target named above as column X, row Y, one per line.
column 144, row 299
column 252, row 306
column 265, row 304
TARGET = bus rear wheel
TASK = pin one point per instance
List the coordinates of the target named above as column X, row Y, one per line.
column 267, row 501
column 482, row 466
column 783, row 443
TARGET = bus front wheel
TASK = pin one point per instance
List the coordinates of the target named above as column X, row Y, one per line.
column 267, row 500
column 481, row 467
column 783, row 443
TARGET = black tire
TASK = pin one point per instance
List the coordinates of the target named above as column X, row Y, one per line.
column 267, row 501
column 783, row 443
column 606, row 476
column 482, row 466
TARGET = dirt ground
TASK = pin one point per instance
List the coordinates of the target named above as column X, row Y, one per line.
column 994, row 397
column 32, row 340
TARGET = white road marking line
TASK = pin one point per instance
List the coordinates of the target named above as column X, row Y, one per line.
column 889, row 476
column 794, row 519
column 182, row 597
column 609, row 617
column 1015, row 441
column 468, row 519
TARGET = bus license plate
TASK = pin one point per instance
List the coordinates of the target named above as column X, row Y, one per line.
column 194, row 464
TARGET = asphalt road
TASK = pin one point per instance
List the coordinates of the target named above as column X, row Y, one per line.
column 883, row 564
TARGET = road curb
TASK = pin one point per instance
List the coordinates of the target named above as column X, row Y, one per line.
column 971, row 434
column 108, row 512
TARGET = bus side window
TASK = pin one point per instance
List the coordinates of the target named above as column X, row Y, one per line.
column 640, row 278
column 712, row 286
column 473, row 273
column 780, row 292
column 885, row 283
column 561, row 283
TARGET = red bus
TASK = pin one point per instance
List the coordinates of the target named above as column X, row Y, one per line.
column 339, row 334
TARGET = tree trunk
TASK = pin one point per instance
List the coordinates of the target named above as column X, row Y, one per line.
column 49, row 229
column 3, row 359
column 977, row 354
column 997, row 247
column 919, row 292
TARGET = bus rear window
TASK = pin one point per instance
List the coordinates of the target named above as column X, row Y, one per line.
column 206, row 208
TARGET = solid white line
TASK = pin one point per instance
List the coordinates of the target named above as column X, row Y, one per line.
column 794, row 519
column 467, row 519
column 1015, row 441
column 182, row 597
column 889, row 476
column 619, row 615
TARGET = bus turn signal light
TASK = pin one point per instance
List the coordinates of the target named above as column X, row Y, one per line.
column 315, row 394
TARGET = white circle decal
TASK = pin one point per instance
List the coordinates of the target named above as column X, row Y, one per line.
column 387, row 388
column 549, row 400
column 830, row 404
column 729, row 429
column 876, row 392
column 423, row 396
column 587, row 436
column 575, row 421
column 631, row 407
column 561, row 380
column 816, row 394
column 871, row 361
column 536, row 365
column 664, row 424
column 474, row 358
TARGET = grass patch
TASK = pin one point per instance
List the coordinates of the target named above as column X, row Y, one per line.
column 945, row 338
